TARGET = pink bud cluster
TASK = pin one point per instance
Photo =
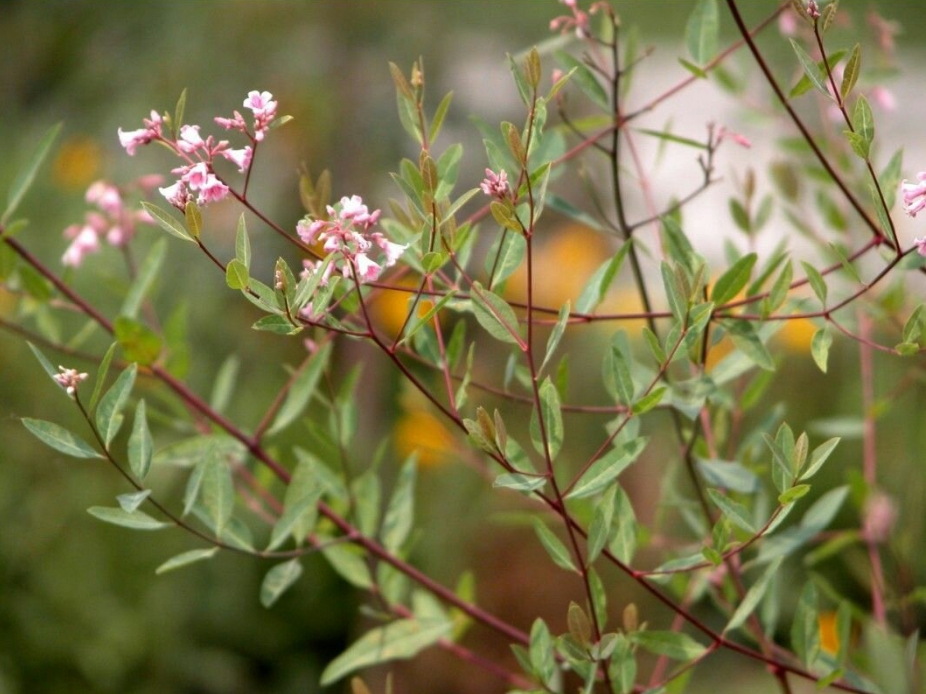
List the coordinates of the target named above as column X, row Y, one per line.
column 578, row 21
column 69, row 379
column 348, row 233
column 496, row 184
column 112, row 220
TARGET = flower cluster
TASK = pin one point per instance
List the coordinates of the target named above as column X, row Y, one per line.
column 578, row 22
column 914, row 194
column 69, row 379
column 347, row 232
column 197, row 174
column 496, row 184
column 112, row 220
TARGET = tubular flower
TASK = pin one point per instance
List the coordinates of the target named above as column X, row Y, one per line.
column 496, row 185
column 914, row 194
column 69, row 379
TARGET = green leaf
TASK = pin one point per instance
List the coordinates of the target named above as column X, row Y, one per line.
column 439, row 114
column 599, row 530
column 505, row 255
column 813, row 72
column 167, row 221
column 733, row 280
column 139, row 343
column 747, row 341
column 554, row 547
column 278, row 580
column 495, row 315
column 243, row 244
column 729, row 475
column 101, row 376
column 193, row 219
column 678, row 302
column 147, row 273
column 862, row 120
column 59, row 438
column 140, row 443
column 26, row 177
column 607, row 468
column 733, row 510
column 541, row 653
column 585, row 79
column 851, row 72
column 551, row 412
column 218, row 491
column 817, row 283
column 236, row 274
column 130, row 502
column 671, row 644
column 301, row 390
column 556, row 334
column 702, row 30
column 889, row 180
column 805, row 626
column 280, row 325
column 43, row 361
column 618, row 377
column 137, row 520
column 819, row 456
column 223, row 386
column 755, row 593
column 185, row 559
column 400, row 640
column 820, row 347
column 400, row 512
column 793, row 494
column 648, row 401
column 623, row 542
column 348, row 562
column 597, row 286
column 109, row 413
column 519, row 481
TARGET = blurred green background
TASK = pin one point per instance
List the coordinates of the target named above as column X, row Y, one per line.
column 80, row 607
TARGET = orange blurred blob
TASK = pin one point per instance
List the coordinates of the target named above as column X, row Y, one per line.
column 796, row 335
column 423, row 432
column 77, row 164
column 562, row 265
column 829, row 637
column 389, row 308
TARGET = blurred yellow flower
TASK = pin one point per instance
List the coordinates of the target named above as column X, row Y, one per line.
column 795, row 336
column 77, row 164
column 389, row 308
column 829, row 637
column 423, row 432
column 562, row 265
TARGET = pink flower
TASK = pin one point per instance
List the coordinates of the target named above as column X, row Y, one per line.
column 85, row 241
column 787, row 23
column 579, row 21
column 235, row 123
column 914, row 194
column 920, row 245
column 260, row 103
column 741, row 140
column 308, row 230
column 212, row 190
column 353, row 210
column 197, row 175
column 133, row 138
column 239, row 157
column 813, row 9
column 879, row 517
column 69, row 379
column 884, row 97
column 190, row 139
column 177, row 195
column 392, row 250
column 105, row 196
column 496, row 185
column 367, row 270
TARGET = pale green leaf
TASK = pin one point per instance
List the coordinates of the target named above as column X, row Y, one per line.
column 495, row 315
column 109, row 413
column 607, row 468
column 59, row 438
column 278, row 580
column 554, row 546
column 702, row 31
column 186, row 558
column 400, row 511
column 26, row 177
column 137, row 520
column 755, row 593
column 167, row 221
column 672, row 644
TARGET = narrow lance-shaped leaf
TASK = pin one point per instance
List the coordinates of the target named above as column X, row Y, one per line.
column 550, row 411
column 851, row 72
column 218, row 491
column 556, row 334
column 140, row 443
column 278, row 580
column 733, row 510
column 554, row 546
column 136, row 520
column 672, row 644
column 301, row 390
column 59, row 438
column 810, row 67
column 805, row 628
column 109, row 413
column 753, row 596
column 185, row 559
column 147, row 273
column 399, row 640
column 600, row 282
column 733, row 280
column 607, row 468
column 25, row 179
column 399, row 516
column 701, row 32
column 47, row 366
column 820, row 347
column 495, row 315
column 167, row 221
